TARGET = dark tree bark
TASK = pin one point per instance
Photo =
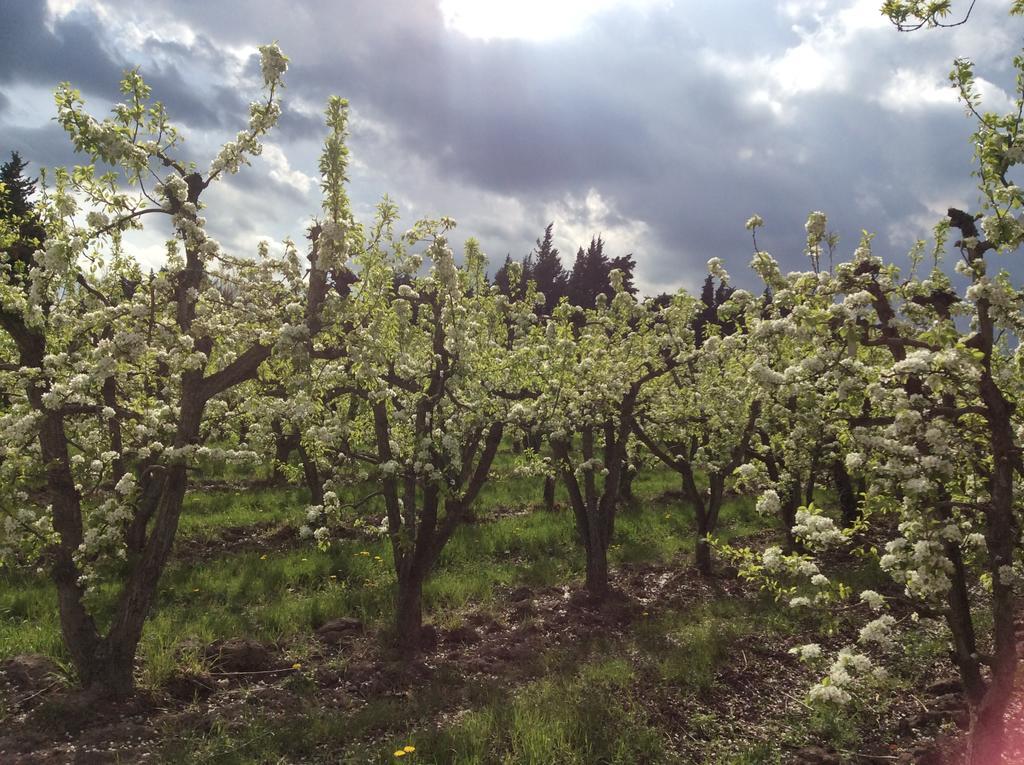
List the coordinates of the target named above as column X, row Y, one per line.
column 989, row 699
column 848, row 502
column 105, row 661
column 311, row 474
column 595, row 511
column 706, row 506
column 1001, row 536
column 549, row 493
column 284, row 445
column 626, row 489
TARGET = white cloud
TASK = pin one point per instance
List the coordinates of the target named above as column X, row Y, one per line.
column 909, row 90
column 58, row 9
column 282, row 172
column 537, row 20
column 805, row 68
column 993, row 97
column 577, row 219
column 823, row 60
column 902, row 233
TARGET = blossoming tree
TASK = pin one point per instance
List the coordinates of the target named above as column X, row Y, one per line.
column 931, row 427
column 595, row 363
column 699, row 419
column 109, row 371
column 419, row 400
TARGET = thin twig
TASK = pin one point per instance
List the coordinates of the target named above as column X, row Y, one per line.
column 257, row 672
column 50, row 687
column 868, row 756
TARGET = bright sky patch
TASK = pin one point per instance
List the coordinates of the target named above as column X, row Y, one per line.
column 536, row 20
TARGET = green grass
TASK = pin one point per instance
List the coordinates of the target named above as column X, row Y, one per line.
column 585, row 718
column 284, row 595
column 581, row 711
column 205, row 512
column 587, row 705
column 575, row 705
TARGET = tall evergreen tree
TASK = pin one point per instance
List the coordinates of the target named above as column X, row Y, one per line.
column 528, row 272
column 548, row 273
column 626, row 265
column 18, row 213
column 589, row 276
column 712, row 297
column 501, row 276
column 18, row 189
column 723, row 293
column 707, row 314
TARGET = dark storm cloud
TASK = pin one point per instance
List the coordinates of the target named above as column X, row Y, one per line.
column 298, row 125
column 654, row 110
column 46, row 146
column 626, row 108
column 508, row 116
column 256, row 184
column 79, row 48
column 73, row 51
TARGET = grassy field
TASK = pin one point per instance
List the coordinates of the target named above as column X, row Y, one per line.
column 683, row 670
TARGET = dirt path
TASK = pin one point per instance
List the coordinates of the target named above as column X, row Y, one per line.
column 502, row 644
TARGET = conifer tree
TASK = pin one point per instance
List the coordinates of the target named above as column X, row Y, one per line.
column 589, row 274
column 548, row 272
column 17, row 212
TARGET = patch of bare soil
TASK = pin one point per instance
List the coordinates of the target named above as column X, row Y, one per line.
column 347, row 668
column 61, row 726
column 953, row 749
column 258, row 537
column 254, row 537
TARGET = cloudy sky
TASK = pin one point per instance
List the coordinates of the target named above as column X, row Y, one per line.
column 660, row 125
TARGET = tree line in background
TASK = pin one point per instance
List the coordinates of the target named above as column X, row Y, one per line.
column 590, row 275
column 387, row 363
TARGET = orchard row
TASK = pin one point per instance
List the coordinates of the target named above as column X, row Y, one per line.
column 382, row 359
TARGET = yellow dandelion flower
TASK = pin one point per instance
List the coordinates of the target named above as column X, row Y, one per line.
column 296, row 665
column 263, row 557
column 409, row 749
column 399, row 753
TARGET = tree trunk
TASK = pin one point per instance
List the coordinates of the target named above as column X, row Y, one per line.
column 787, row 515
column 1002, row 536
column 110, row 672
column 409, row 613
column 626, row 487
column 707, row 521
column 961, row 627
column 987, row 738
column 284, row 445
column 549, row 493
column 702, row 548
column 597, row 567
column 312, row 476
column 847, row 497
column 703, row 555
